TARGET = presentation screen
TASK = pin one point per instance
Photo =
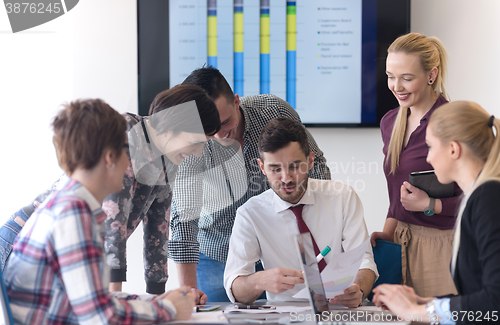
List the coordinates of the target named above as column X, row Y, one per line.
column 321, row 56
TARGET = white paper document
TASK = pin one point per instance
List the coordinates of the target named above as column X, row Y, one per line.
column 340, row 272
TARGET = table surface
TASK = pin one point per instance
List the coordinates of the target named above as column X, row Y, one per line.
column 300, row 317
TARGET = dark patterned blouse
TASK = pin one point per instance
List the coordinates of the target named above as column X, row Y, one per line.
column 146, row 197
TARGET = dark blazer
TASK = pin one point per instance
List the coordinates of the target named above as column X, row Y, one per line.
column 477, row 274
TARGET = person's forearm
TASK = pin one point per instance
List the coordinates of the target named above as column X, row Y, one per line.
column 365, row 280
column 438, row 206
column 187, row 274
column 245, row 288
column 115, row 286
column 390, row 227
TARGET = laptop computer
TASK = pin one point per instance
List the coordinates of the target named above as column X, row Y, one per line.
column 317, row 297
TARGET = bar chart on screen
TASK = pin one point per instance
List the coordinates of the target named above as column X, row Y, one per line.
column 287, row 48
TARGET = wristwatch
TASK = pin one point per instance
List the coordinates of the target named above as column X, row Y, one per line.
column 429, row 211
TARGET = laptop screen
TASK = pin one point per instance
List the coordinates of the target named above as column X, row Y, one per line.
column 310, row 269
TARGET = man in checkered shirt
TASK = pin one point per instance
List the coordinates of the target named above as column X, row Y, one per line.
column 209, row 189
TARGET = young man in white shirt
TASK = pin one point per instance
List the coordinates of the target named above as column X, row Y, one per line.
column 265, row 227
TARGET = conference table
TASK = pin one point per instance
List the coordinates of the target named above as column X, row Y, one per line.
column 292, row 313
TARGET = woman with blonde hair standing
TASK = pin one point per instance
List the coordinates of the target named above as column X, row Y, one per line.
column 416, row 68
column 464, row 147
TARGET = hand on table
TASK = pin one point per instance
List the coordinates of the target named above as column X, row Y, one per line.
column 200, row 296
column 399, row 299
column 184, row 301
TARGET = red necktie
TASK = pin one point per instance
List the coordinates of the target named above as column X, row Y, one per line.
column 297, row 211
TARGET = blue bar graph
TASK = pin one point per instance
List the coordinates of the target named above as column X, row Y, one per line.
column 238, row 47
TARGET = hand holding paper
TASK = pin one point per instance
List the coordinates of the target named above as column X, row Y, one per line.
column 340, row 272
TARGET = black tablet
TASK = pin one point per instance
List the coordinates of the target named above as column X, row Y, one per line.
column 428, row 182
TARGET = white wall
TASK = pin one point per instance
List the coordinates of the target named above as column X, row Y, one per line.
column 355, row 158
column 470, row 32
column 88, row 52
column 91, row 52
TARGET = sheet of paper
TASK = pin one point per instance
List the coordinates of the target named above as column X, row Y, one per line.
column 340, row 273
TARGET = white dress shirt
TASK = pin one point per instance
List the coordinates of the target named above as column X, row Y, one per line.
column 265, row 229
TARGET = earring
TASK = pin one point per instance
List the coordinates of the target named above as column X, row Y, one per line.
column 110, row 167
column 430, row 82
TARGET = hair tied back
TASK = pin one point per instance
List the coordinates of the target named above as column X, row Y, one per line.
column 490, row 121
column 491, row 124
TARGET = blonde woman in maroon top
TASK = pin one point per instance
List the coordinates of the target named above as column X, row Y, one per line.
column 416, row 67
column 464, row 146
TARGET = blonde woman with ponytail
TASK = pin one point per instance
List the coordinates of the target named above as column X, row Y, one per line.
column 416, row 68
column 464, row 147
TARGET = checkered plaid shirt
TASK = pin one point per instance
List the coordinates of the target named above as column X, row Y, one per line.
column 208, row 190
column 57, row 273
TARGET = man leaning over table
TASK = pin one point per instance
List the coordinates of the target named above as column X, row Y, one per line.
column 209, row 189
column 265, row 226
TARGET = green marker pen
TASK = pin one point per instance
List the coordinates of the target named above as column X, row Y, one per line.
column 323, row 253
